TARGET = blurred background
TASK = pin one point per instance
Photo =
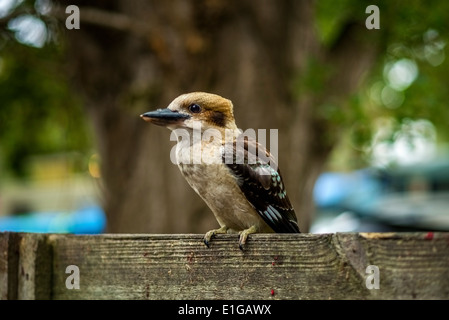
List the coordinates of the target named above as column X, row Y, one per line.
column 362, row 114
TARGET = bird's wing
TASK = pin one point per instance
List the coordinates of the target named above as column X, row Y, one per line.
column 261, row 183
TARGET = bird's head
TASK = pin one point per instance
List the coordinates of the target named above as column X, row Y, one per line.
column 195, row 110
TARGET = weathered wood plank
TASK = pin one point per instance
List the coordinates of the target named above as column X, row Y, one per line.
column 9, row 265
column 25, row 266
column 273, row 266
column 411, row 265
column 34, row 273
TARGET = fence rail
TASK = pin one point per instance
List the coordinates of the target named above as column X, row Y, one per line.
column 180, row 266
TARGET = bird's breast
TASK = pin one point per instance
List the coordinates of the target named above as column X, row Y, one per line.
column 215, row 184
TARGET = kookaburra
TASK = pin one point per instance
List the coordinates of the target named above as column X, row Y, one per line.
column 225, row 168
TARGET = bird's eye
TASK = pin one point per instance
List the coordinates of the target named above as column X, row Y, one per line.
column 194, row 108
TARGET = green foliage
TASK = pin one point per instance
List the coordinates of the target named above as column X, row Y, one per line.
column 413, row 30
column 38, row 112
column 312, row 80
column 331, row 16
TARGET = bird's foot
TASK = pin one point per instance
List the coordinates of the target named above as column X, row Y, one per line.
column 244, row 235
column 212, row 233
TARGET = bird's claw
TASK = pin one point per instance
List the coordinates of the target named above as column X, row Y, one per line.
column 244, row 235
column 242, row 240
column 208, row 236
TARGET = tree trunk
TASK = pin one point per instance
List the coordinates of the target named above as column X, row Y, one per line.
column 134, row 56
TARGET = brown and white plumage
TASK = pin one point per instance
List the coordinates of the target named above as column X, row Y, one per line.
column 244, row 192
column 263, row 187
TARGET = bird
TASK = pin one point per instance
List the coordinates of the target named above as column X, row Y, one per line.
column 226, row 168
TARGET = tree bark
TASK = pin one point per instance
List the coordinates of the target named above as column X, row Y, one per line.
column 132, row 57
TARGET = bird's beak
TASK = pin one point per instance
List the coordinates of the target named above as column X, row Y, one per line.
column 164, row 117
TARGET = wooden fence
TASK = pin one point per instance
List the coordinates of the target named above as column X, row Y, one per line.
column 272, row 266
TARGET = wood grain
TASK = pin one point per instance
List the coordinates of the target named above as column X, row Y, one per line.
column 306, row 266
column 9, row 265
column 180, row 266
